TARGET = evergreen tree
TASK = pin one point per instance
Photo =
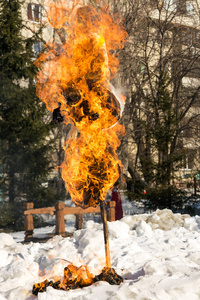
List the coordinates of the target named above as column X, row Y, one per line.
column 25, row 149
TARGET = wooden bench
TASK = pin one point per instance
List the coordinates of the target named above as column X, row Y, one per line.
column 60, row 210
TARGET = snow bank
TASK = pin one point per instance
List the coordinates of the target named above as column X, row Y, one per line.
column 157, row 254
column 161, row 219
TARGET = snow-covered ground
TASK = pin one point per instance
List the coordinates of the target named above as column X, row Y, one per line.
column 158, row 255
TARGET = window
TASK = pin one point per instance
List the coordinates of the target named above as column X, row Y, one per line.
column 188, row 132
column 189, row 159
column 189, row 8
column 142, row 68
column 141, row 34
column 198, row 133
column 170, row 5
column 37, row 48
column 190, row 36
column 34, row 12
column 196, row 37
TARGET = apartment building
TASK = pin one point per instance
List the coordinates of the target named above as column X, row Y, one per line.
column 34, row 14
column 186, row 35
column 164, row 38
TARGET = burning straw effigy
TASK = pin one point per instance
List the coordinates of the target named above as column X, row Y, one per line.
column 74, row 79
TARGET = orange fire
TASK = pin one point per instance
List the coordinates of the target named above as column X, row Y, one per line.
column 76, row 72
column 75, row 277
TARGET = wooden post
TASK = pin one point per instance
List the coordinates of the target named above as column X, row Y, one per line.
column 105, row 231
column 28, row 221
column 111, row 211
column 60, row 221
column 79, row 221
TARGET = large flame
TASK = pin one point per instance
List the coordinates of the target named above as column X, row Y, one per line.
column 77, row 74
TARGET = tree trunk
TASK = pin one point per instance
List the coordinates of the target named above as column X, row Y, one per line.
column 11, row 186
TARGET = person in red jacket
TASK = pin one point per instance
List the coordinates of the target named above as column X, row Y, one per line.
column 117, row 198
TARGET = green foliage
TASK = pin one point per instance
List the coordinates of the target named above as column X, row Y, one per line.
column 45, row 194
column 136, row 189
column 16, row 61
column 162, row 131
column 26, row 145
column 175, row 199
column 165, row 197
column 11, row 216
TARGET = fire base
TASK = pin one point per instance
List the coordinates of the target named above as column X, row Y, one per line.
column 73, row 281
column 109, row 275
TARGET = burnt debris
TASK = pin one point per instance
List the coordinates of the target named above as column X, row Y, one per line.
column 80, row 108
column 72, row 279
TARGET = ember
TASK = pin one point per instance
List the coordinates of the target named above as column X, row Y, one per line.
column 75, row 277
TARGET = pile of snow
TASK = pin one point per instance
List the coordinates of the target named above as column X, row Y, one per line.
column 160, row 219
column 157, row 254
